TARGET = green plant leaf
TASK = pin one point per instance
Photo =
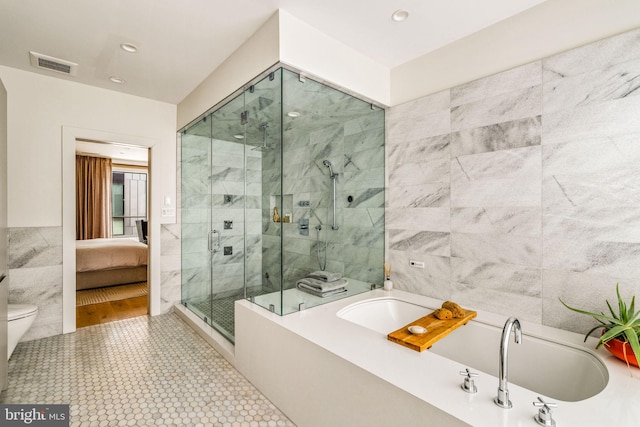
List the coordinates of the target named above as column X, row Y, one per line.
column 601, row 317
column 613, row 332
column 632, row 338
column 595, row 328
column 613, row 314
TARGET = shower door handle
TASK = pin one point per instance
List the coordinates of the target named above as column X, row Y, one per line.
column 213, row 248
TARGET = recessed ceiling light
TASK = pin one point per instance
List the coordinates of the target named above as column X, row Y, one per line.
column 400, row 15
column 293, row 114
column 238, row 136
column 117, row 80
column 128, row 47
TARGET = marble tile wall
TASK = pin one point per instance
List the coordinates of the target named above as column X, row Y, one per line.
column 170, row 263
column 35, row 276
column 522, row 187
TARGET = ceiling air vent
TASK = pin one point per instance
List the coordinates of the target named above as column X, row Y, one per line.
column 46, row 62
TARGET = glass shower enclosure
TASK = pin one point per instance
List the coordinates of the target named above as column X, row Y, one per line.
column 283, row 179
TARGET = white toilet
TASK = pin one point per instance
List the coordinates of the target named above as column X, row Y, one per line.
column 21, row 317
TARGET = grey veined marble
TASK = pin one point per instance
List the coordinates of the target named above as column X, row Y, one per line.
column 418, row 151
column 512, row 80
column 542, row 195
column 594, row 56
column 501, row 178
column 497, row 109
column 34, row 247
column 615, row 82
column 501, row 136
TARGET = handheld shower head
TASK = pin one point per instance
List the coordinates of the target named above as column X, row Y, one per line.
column 327, row 163
column 334, row 180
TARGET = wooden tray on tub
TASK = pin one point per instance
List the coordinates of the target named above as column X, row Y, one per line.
column 436, row 330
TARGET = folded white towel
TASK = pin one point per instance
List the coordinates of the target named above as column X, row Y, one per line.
column 314, row 291
column 321, row 285
column 327, row 276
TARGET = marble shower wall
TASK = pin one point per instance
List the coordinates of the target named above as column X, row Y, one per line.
column 347, row 132
column 522, row 187
column 355, row 149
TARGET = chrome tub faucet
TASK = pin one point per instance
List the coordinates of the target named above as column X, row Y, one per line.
column 502, row 399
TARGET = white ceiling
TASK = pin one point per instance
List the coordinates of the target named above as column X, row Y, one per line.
column 182, row 42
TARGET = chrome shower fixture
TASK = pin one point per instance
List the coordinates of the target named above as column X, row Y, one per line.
column 264, row 146
column 327, row 163
column 334, row 179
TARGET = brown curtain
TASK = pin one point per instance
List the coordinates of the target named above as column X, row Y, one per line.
column 93, row 197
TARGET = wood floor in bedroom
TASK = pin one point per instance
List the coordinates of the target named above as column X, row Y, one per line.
column 109, row 311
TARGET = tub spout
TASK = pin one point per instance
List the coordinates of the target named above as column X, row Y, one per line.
column 502, row 399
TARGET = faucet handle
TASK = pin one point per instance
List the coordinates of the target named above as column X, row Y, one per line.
column 544, row 417
column 468, row 373
column 468, row 384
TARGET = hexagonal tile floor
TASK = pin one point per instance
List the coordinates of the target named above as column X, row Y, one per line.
column 137, row 372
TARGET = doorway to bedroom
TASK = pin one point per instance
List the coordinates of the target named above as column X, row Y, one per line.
column 112, row 258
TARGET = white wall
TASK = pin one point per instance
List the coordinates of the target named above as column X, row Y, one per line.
column 257, row 54
column 39, row 106
column 310, row 50
column 549, row 28
column 45, row 115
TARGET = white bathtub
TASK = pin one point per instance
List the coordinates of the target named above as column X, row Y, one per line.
column 332, row 365
column 559, row 371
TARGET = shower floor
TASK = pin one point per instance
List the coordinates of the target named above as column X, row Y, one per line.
column 220, row 311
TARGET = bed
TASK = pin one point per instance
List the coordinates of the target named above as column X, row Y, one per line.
column 110, row 262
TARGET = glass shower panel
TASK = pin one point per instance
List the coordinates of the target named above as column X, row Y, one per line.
column 266, row 209
column 227, row 177
column 333, row 165
column 330, row 200
column 195, row 169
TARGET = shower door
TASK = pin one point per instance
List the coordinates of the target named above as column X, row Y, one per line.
column 265, row 211
column 195, row 206
column 227, row 214
column 231, row 180
column 213, row 195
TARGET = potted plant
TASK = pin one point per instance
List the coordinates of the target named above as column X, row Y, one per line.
column 619, row 331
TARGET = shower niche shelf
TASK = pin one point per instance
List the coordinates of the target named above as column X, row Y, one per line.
column 282, row 208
